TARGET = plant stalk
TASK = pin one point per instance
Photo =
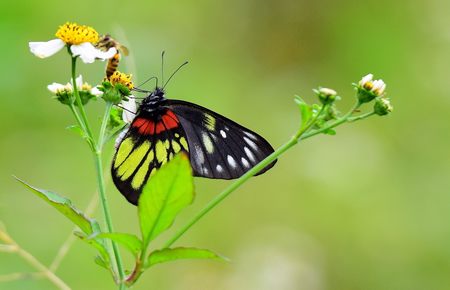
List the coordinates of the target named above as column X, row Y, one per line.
column 103, row 198
column 97, row 152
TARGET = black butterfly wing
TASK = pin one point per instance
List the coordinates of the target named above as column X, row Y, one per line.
column 151, row 140
column 219, row 147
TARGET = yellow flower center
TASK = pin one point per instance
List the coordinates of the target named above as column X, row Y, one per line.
column 72, row 33
column 86, row 87
column 368, row 86
column 121, row 78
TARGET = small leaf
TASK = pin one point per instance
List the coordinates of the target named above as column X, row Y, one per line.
column 96, row 244
column 330, row 132
column 115, row 118
column 64, row 206
column 131, row 242
column 172, row 254
column 169, row 191
column 305, row 111
column 76, row 129
column 101, row 262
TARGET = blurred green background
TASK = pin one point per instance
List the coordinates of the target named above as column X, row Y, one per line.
column 368, row 208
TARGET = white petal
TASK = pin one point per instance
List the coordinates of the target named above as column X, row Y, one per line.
column 96, row 92
column 129, row 111
column 55, row 87
column 46, row 49
column 366, row 79
column 88, row 53
column 79, row 81
column 69, row 86
column 377, row 84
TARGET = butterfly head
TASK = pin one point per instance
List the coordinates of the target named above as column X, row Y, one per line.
column 154, row 100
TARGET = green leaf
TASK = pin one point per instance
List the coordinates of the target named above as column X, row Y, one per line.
column 64, row 206
column 77, row 130
column 172, row 254
column 96, row 244
column 101, row 262
column 305, row 111
column 115, row 118
column 330, row 132
column 131, row 242
column 169, row 191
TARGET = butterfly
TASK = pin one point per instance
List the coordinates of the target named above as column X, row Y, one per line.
column 217, row 147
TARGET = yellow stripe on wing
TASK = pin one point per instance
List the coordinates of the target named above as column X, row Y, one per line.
column 124, row 150
column 139, row 178
column 127, row 168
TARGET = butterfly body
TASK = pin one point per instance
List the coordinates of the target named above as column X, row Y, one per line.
column 217, row 147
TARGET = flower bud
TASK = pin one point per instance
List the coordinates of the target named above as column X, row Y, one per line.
column 382, row 107
column 326, row 95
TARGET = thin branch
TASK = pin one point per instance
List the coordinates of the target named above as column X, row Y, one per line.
column 31, row 260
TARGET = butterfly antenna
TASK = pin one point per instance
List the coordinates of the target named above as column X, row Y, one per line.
column 138, row 98
column 146, row 81
column 162, row 67
column 126, row 109
column 185, row 63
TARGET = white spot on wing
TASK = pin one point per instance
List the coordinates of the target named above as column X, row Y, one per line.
column 245, row 162
column 251, row 143
column 199, row 154
column 219, row 168
column 249, row 154
column 222, row 132
column 231, row 161
column 250, row 135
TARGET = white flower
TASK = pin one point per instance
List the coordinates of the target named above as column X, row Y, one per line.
column 376, row 86
column 365, row 80
column 129, row 109
column 56, row 88
column 79, row 38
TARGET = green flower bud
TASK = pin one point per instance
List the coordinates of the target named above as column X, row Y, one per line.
column 110, row 93
column 382, row 107
column 65, row 97
column 326, row 96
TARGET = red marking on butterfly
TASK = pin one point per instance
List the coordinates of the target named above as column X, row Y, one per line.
column 147, row 127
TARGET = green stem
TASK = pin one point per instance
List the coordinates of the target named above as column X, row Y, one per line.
column 80, row 106
column 300, row 135
column 107, row 214
column 77, row 117
column 97, row 152
column 345, row 118
column 103, row 197
column 101, row 137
